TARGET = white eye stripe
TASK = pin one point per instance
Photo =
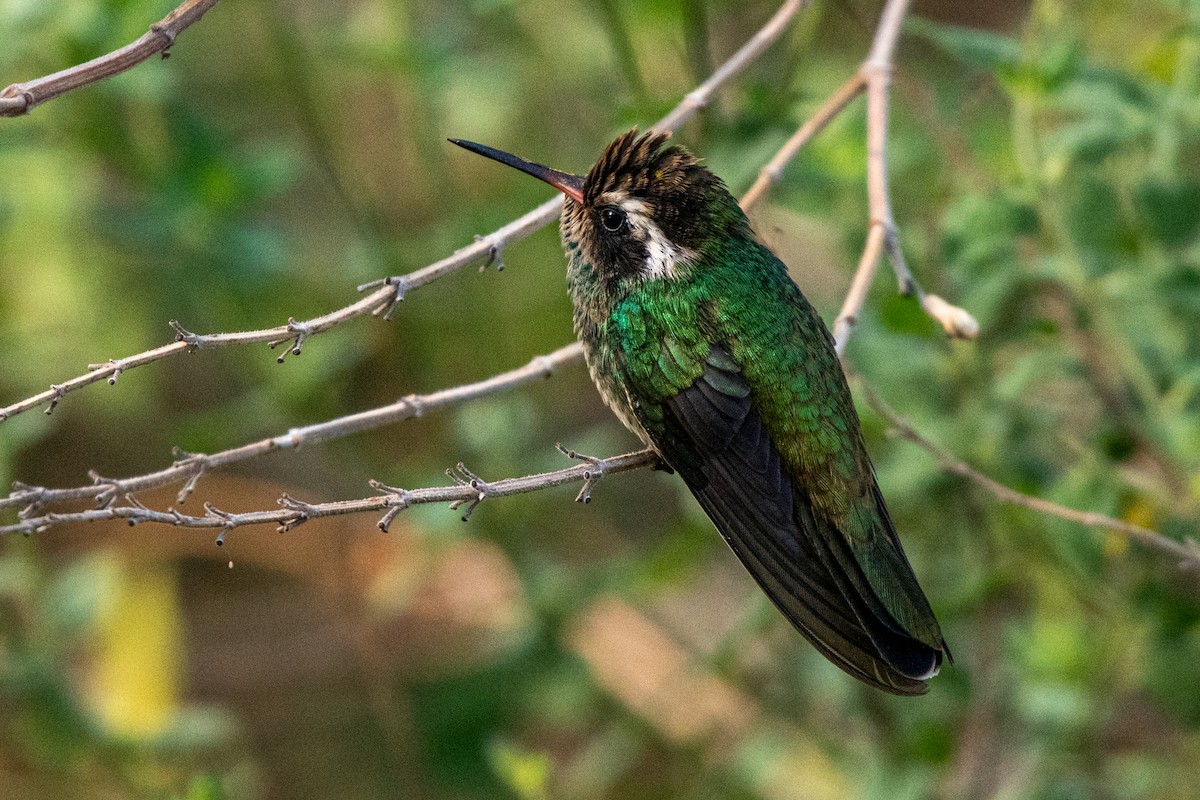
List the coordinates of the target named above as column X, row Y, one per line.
column 662, row 255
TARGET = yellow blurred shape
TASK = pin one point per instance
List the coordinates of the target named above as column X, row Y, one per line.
column 135, row 680
column 527, row 773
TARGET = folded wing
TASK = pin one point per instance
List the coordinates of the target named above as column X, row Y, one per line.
column 711, row 434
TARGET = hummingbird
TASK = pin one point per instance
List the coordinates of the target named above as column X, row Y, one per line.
column 704, row 347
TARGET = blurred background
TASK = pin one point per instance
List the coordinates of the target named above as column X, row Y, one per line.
column 1044, row 160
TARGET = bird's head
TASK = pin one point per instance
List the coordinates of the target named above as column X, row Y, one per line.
column 644, row 211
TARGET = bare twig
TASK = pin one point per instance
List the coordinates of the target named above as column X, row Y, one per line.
column 1186, row 554
column 189, row 467
column 292, row 513
column 388, row 292
column 771, row 174
column 699, row 97
column 468, row 489
column 876, row 74
column 19, row 98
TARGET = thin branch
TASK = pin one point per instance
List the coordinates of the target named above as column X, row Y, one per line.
column 771, row 174
column 190, row 467
column 699, row 97
column 1186, row 553
column 19, row 98
column 876, row 73
column 388, row 292
column 467, row 489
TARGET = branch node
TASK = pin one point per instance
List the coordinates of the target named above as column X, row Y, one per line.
column 299, row 331
column 465, row 477
column 414, row 402
column 292, row 504
column 34, row 494
column 696, row 98
column 16, row 91
column 590, row 476
column 165, row 32
column 58, row 395
column 180, row 455
column 112, row 362
column 397, row 500
column 495, row 254
column 110, row 488
column 182, row 334
column 212, row 512
column 303, row 513
column 133, row 502
column 881, row 69
column 399, row 284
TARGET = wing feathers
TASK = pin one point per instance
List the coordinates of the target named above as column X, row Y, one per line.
column 712, row 436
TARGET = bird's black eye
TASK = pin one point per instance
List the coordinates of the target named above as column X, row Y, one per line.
column 613, row 219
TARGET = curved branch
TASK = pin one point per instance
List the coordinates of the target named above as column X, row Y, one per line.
column 1186, row 554
column 699, row 97
column 388, row 292
column 466, row 489
column 772, row 172
column 192, row 466
column 19, row 98
column 883, row 236
column 188, row 470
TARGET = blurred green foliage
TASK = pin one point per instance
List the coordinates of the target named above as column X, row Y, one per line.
column 1045, row 166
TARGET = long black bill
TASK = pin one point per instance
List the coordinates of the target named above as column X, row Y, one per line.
column 570, row 185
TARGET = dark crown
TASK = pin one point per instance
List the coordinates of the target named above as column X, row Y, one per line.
column 640, row 166
column 688, row 202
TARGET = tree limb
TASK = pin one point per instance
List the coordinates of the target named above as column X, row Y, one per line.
column 1186, row 554
column 20, row 98
column 190, row 467
column 772, row 172
column 467, row 490
column 388, row 292
column 876, row 75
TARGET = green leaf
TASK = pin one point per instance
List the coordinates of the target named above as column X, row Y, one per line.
column 1169, row 208
column 978, row 47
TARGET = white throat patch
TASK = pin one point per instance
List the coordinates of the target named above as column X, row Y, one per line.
column 662, row 255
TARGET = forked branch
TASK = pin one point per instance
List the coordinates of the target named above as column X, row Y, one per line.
column 467, row 488
column 386, row 293
column 190, row 467
column 20, row 98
